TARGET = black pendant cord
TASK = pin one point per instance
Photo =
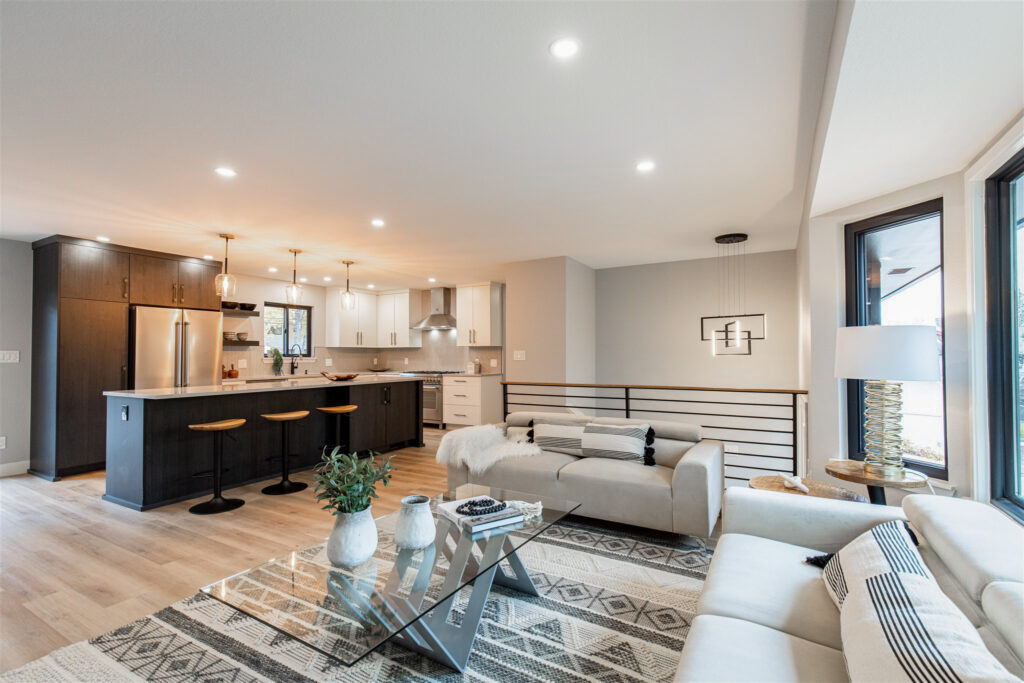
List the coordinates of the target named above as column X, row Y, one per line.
column 226, row 255
column 295, row 263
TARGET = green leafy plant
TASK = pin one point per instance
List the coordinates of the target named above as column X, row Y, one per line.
column 278, row 360
column 347, row 483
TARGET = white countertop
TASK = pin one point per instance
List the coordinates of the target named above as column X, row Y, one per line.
column 286, row 384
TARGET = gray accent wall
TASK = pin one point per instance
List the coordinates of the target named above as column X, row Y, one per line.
column 15, row 335
column 648, row 324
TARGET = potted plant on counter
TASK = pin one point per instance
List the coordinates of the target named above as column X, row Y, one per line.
column 278, row 360
column 347, row 484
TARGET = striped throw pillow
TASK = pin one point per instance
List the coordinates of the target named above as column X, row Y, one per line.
column 901, row 627
column 620, row 442
column 887, row 548
column 560, row 438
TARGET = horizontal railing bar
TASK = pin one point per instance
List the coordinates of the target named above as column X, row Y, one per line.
column 758, row 455
column 755, row 443
column 751, row 467
column 663, row 400
column 675, row 412
column 654, row 386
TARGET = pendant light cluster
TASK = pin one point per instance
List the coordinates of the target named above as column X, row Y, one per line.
column 226, row 283
column 293, row 292
column 348, row 299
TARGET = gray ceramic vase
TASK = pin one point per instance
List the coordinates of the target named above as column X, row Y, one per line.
column 414, row 528
column 353, row 538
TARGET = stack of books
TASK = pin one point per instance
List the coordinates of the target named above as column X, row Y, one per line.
column 477, row 523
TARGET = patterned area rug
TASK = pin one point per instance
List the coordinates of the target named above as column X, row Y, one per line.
column 613, row 606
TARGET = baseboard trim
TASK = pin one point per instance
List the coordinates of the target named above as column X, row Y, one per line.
column 11, row 469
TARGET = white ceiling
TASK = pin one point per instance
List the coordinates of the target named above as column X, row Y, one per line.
column 449, row 120
column 923, row 88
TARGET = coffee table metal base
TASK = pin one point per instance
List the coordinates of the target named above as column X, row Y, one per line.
column 431, row 634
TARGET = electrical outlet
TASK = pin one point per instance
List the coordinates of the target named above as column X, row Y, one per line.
column 406, row 360
column 519, row 355
column 10, row 357
column 3, row 442
column 494, row 362
column 243, row 363
column 374, row 361
column 328, row 362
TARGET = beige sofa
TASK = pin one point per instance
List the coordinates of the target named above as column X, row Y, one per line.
column 765, row 615
column 681, row 493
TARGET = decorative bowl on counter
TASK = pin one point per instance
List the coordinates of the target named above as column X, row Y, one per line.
column 247, row 307
column 231, row 305
column 242, row 336
column 339, row 378
column 378, row 369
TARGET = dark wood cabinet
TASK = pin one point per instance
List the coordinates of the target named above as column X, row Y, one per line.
column 389, row 416
column 197, row 286
column 368, row 424
column 402, row 400
column 93, row 353
column 93, row 273
column 154, row 281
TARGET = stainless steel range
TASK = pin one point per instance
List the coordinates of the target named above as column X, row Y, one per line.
column 433, row 394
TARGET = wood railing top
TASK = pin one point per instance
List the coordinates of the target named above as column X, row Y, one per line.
column 655, row 386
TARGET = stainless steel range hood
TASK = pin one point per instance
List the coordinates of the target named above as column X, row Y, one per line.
column 440, row 317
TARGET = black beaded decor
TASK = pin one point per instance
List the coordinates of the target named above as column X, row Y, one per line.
column 480, row 506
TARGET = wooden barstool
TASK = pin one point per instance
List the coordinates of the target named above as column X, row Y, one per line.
column 218, row 503
column 286, row 485
column 337, row 412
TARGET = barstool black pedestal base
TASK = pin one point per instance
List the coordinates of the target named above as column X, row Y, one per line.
column 284, row 487
column 215, row 505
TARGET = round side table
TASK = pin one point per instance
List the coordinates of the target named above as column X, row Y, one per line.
column 855, row 471
column 818, row 489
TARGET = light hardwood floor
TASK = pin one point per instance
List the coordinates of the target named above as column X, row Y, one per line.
column 73, row 566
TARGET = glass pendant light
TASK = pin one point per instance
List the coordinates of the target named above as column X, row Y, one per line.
column 348, row 299
column 226, row 283
column 293, row 292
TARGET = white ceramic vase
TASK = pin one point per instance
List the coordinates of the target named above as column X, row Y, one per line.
column 353, row 538
column 415, row 526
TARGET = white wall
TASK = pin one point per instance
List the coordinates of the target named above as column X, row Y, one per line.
column 580, row 322
column 648, row 324
column 15, row 335
column 535, row 317
column 826, row 418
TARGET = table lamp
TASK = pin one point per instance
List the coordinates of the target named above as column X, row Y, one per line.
column 886, row 356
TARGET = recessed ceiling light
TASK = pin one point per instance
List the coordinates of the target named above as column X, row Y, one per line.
column 564, row 48
column 377, row 222
column 225, row 172
column 327, row 278
column 102, row 238
column 431, row 279
column 271, row 269
column 644, row 166
column 208, row 257
column 302, row 279
column 371, row 286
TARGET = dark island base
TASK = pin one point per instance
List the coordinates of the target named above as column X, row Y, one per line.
column 153, row 457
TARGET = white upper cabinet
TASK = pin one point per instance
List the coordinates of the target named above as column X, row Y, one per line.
column 396, row 311
column 356, row 328
column 366, row 310
column 478, row 314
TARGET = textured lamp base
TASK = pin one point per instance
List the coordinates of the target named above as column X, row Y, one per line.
column 883, row 426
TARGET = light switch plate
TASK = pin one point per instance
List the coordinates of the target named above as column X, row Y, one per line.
column 519, row 355
column 10, row 356
column 243, row 363
column 328, row 362
column 3, row 442
column 406, row 360
column 494, row 362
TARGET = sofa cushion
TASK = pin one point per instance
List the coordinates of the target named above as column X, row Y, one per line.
column 559, row 438
column 620, row 491
column 619, row 442
column 1003, row 602
column 978, row 543
column 534, row 474
column 768, row 583
column 725, row 649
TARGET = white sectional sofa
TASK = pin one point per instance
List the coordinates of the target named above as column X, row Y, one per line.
column 765, row 615
column 681, row 493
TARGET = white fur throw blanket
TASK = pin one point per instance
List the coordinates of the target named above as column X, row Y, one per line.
column 478, row 448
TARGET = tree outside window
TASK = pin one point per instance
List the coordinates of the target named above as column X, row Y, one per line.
column 288, row 328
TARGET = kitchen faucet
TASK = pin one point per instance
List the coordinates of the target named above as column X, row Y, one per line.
column 294, row 363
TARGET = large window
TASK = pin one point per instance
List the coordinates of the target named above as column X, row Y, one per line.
column 894, row 277
column 287, row 328
column 1004, row 228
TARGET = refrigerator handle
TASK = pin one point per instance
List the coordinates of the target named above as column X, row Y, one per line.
column 185, row 355
column 177, row 354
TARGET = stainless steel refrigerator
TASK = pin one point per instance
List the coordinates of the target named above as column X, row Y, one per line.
column 175, row 347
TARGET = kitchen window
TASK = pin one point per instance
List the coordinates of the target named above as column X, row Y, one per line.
column 1004, row 235
column 288, row 328
column 894, row 277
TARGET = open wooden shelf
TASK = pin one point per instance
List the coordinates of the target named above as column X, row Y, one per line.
column 235, row 342
column 239, row 313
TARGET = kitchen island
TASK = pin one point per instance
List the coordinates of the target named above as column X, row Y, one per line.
column 153, row 457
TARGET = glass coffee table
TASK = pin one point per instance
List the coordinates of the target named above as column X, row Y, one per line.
column 398, row 594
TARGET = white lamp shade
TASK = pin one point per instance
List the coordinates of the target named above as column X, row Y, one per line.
column 906, row 353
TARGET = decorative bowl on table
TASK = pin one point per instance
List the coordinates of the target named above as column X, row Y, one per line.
column 242, row 336
column 247, row 307
column 339, row 378
column 231, row 305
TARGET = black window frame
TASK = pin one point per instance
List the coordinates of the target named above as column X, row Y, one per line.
column 1002, row 342
column 309, row 328
column 856, row 278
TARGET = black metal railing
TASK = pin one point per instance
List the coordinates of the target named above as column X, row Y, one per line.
column 761, row 428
